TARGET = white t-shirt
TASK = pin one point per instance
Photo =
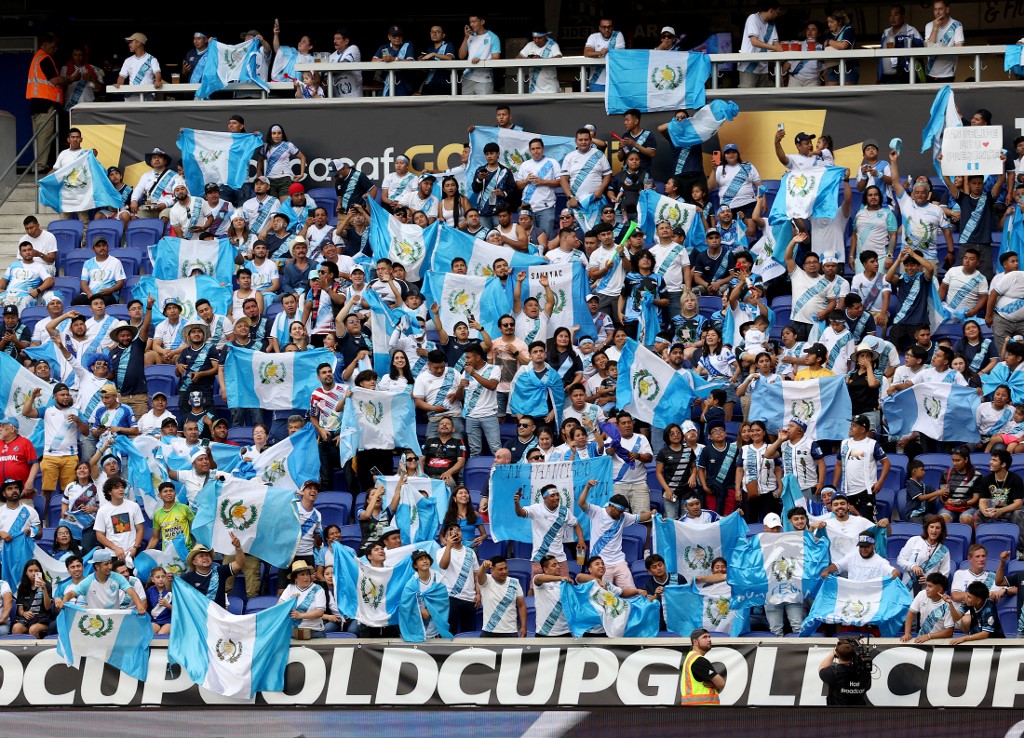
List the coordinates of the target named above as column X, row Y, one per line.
column 963, row 577
column 842, row 534
column 951, row 35
column 830, row 235
column 133, row 64
column 746, row 193
column 990, row 419
column 631, row 472
column 8, row 516
column 973, row 286
column 44, row 243
column 859, row 569
column 591, row 412
column 478, row 401
column 117, row 522
column 924, row 606
column 545, row 81
column 427, row 387
column 22, row 277
column 61, row 437
column 283, row 152
column 318, row 601
column 860, row 469
column 149, row 424
column 674, row 275
column 263, row 275
column 922, row 225
column 491, row 594
column 542, row 197
column 103, row 596
column 450, row 577
column 864, row 287
column 546, row 597
column 574, row 162
column 757, row 27
column 347, row 84
column 1009, row 286
column 949, row 376
column 800, row 163
column 597, row 42
column 541, row 520
column 180, row 216
column 600, row 521
column 609, row 284
column 802, row 282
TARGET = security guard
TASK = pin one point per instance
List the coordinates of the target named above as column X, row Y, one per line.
column 700, row 683
column 45, row 93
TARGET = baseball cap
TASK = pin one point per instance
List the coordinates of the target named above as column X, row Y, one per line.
column 801, row 137
column 102, row 556
column 592, row 296
column 262, row 178
column 10, row 310
column 865, row 539
column 395, row 31
column 140, row 37
column 211, row 187
column 668, row 29
column 818, row 350
column 771, row 520
column 108, row 389
column 687, row 426
column 731, row 147
column 10, row 420
column 111, row 170
column 869, row 142
column 798, row 423
column 311, row 483
column 863, row 421
column 158, row 394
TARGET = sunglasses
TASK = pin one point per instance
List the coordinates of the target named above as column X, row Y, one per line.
column 564, row 217
column 508, row 325
column 523, row 425
column 667, row 35
column 606, row 211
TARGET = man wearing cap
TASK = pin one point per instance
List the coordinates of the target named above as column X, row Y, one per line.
column 189, row 216
column 422, row 199
column 699, row 683
column 606, row 526
column 815, row 358
column 155, row 189
column 197, row 364
column 211, row 579
column 25, row 280
column 55, row 310
column 150, row 423
column 299, row 207
column 203, row 466
column 18, row 458
column 864, row 564
column 168, row 338
column 103, row 589
column 543, row 80
column 140, row 68
column 111, row 417
column 61, row 428
column 856, row 472
column 397, row 49
column 128, row 361
column 804, row 158
column 801, row 457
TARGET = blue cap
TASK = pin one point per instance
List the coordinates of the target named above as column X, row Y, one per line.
column 101, row 556
column 799, row 423
column 10, row 420
column 731, row 147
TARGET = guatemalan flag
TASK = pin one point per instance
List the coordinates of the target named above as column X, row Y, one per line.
column 230, row 63
column 570, row 284
column 16, row 384
column 145, row 469
column 186, row 291
column 587, row 606
column 369, row 594
column 777, row 568
column 176, row 258
column 55, row 571
column 689, row 606
column 689, row 548
column 80, row 185
column 943, row 115
column 434, row 599
column 514, row 145
column 536, row 396
column 172, row 559
column 61, row 369
column 1012, row 59
column 422, row 505
column 810, row 193
column 569, row 476
column 120, row 638
column 273, row 381
column 376, row 419
column 15, row 554
column 938, row 410
column 769, row 256
column 823, row 404
column 405, row 243
column 291, row 461
column 655, row 80
column 216, row 156
column 479, row 255
column 231, row 655
column 459, row 296
column 263, row 518
column 654, row 208
column 881, row 602
column 283, row 69
column 1002, row 374
column 652, row 391
column 702, row 125
column 386, row 325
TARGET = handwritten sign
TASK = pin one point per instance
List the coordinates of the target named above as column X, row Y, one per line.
column 972, row 150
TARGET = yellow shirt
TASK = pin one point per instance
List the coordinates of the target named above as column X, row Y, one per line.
column 814, row 374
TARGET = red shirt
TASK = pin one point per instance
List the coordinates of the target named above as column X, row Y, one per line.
column 16, row 458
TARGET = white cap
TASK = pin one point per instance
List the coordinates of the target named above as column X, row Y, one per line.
column 669, row 29
column 687, row 426
column 771, row 520
column 50, row 296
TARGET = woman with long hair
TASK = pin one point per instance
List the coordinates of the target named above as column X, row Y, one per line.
column 759, row 478
column 80, row 504
column 239, row 234
column 34, row 602
column 562, row 357
column 737, row 181
column 462, row 512
column 399, row 377
column 874, row 229
column 64, row 543
column 717, row 363
column 453, row 206
column 275, row 162
column 956, row 490
column 926, row 553
column 676, row 468
column 840, row 38
column 642, row 298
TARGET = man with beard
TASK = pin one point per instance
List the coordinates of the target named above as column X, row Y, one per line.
column 61, row 427
column 128, row 361
column 189, row 216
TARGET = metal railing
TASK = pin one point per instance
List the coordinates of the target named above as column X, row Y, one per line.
column 584, row 66
column 33, row 165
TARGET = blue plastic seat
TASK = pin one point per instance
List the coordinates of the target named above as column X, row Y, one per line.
column 111, row 229
column 144, row 232
column 69, row 237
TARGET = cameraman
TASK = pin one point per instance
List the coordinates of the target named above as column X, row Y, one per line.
column 847, row 678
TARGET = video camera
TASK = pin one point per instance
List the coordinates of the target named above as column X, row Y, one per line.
column 863, row 652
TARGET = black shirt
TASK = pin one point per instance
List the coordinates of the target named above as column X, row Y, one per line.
column 202, row 583
column 350, row 346
column 21, row 332
column 454, row 351
column 1002, row 493
column 863, row 398
column 707, row 266
column 982, row 232
column 359, row 189
column 651, row 586
column 519, row 448
column 677, row 467
column 134, row 357
column 702, row 670
column 847, row 684
column 441, row 455
column 189, row 357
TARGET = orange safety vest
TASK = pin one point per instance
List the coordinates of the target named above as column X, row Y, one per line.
column 692, row 692
column 39, row 87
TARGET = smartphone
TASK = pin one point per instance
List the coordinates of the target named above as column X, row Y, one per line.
column 782, row 126
column 716, row 158
column 375, row 472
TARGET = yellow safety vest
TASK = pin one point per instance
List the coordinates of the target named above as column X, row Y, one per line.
column 692, row 692
column 39, row 87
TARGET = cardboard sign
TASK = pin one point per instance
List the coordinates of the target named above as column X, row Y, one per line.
column 972, row 150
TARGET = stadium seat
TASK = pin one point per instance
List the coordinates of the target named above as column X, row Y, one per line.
column 996, row 537
column 240, row 434
column 74, row 261
column 709, row 304
column 885, row 501
column 236, row 606
column 130, row 258
column 53, row 514
column 489, row 548
column 754, row 528
column 118, row 311
column 1007, row 614
column 110, row 229
column 161, row 378
column 144, row 232
column 990, row 564
column 335, row 507
column 634, row 540
column 69, row 237
column 324, row 197
column 958, row 538
column 894, row 544
column 129, row 287
column 521, row 570
column 238, row 589
column 261, row 603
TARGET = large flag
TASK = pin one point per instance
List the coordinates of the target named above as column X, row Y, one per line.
column 938, row 410
column 810, row 193
column 227, row 63
column 943, row 115
column 54, row 570
column 570, row 284
column 528, row 479
column 172, row 559
column 587, row 606
column 369, row 593
column 777, row 568
column 652, row 391
column 434, row 599
column 273, row 381
column 61, row 370
column 734, row 318
column 186, row 291
column 405, row 243
column 376, row 419
column 387, row 324
column 176, row 258
column 537, row 396
column 1012, row 59
column 79, row 185
column 479, row 255
column 689, row 548
column 120, row 638
column 654, row 208
column 262, row 518
column 146, row 467
column 769, row 257
column 291, row 461
column 881, row 602
column 230, row 655
column 702, row 125
column 823, row 404
column 16, row 384
column 16, row 552
column 422, row 505
column 688, row 607
column 514, row 145
column 216, row 156
column 655, row 80
column 459, row 296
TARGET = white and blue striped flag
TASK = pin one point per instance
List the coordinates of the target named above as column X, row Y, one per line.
column 234, row 656
column 769, row 255
column 120, row 638
column 422, row 505
column 689, row 548
column 587, row 606
column 569, row 476
column 176, row 258
column 291, row 461
column 702, row 125
column 654, row 208
column 823, row 404
column 216, row 156
column 172, row 559
column 943, row 115
column 54, row 570
column 1012, row 59
column 186, row 291
column 61, row 370
column 80, row 185
column 459, row 296
column 944, row 412
column 810, row 193
column 387, row 324
column 570, row 285
column 881, row 602
column 405, row 243
column 262, row 518
column 226, row 63
column 479, row 255
column 376, row 419
column 369, row 594
column 434, row 599
column 16, row 384
column 655, row 80
column 688, row 607
column 145, row 469
column 273, row 381
column 777, row 568
column 652, row 391
column 734, row 318
column 514, row 145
